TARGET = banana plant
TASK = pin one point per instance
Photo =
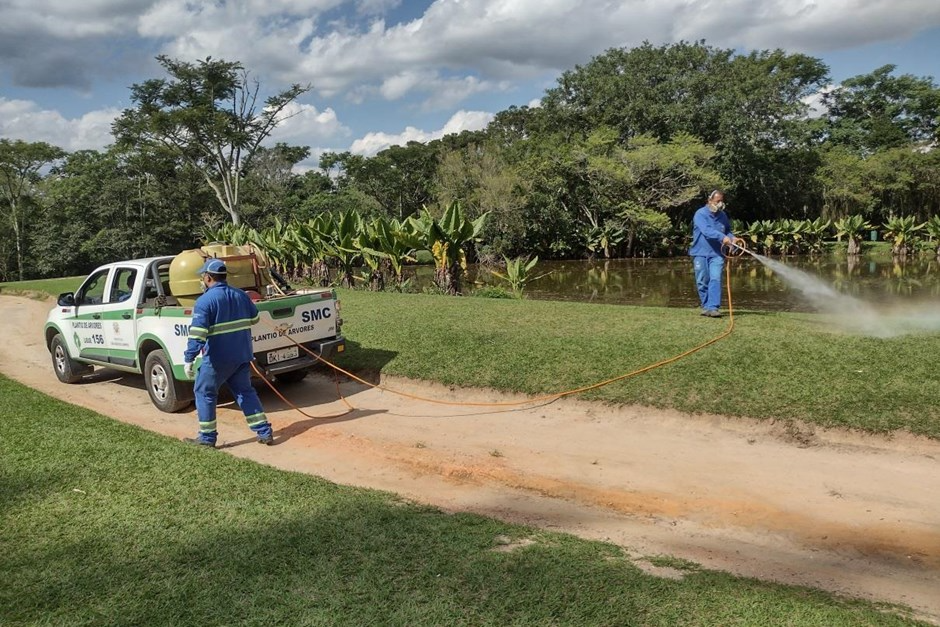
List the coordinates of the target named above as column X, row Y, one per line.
column 517, row 274
column 816, row 232
column 367, row 241
column 852, row 228
column 903, row 233
column 604, row 238
column 446, row 239
column 394, row 242
column 932, row 226
column 761, row 234
column 340, row 235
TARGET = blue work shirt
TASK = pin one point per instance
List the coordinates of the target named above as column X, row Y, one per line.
column 221, row 326
column 708, row 230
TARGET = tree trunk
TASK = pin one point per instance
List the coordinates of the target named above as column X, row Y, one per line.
column 853, row 245
column 377, row 281
column 16, row 236
column 453, row 278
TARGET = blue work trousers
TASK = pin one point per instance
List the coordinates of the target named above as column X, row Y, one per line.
column 708, row 280
column 209, row 378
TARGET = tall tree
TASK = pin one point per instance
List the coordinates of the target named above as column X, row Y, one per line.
column 20, row 164
column 209, row 115
column 749, row 107
column 876, row 111
column 399, row 178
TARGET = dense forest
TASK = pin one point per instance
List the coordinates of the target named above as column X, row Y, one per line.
column 613, row 162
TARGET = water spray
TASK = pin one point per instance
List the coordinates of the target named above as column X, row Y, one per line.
column 852, row 314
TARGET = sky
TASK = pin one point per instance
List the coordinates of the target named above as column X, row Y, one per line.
column 386, row 72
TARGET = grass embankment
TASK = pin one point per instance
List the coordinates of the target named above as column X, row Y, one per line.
column 105, row 523
column 42, row 287
column 774, row 365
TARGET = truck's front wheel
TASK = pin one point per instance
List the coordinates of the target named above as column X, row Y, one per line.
column 67, row 370
column 166, row 393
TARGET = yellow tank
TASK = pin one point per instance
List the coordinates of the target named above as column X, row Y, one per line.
column 247, row 268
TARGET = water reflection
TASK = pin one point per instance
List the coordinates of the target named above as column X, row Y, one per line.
column 669, row 283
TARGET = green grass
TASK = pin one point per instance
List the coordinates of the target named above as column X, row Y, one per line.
column 42, row 287
column 107, row 524
column 774, row 365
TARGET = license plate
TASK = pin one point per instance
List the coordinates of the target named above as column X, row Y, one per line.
column 283, row 354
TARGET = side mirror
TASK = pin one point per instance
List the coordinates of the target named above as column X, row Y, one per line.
column 67, row 299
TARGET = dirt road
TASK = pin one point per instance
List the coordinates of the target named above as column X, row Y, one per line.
column 854, row 514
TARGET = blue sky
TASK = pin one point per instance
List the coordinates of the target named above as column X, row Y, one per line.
column 389, row 71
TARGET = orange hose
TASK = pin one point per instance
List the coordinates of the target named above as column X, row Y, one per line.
column 537, row 399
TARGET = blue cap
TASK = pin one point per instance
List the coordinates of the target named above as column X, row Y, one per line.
column 214, row 266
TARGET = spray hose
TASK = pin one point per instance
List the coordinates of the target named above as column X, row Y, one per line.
column 531, row 401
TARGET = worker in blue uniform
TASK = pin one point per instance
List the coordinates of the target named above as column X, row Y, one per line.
column 221, row 330
column 711, row 230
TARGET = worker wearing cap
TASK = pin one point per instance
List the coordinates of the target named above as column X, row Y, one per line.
column 711, row 230
column 222, row 319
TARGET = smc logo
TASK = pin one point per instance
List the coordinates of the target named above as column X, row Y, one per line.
column 315, row 314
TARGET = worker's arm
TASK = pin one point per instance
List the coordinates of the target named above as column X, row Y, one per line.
column 198, row 331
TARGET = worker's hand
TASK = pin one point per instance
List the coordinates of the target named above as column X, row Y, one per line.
column 188, row 370
column 726, row 240
column 739, row 242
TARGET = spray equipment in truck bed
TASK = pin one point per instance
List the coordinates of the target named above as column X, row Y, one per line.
column 248, row 268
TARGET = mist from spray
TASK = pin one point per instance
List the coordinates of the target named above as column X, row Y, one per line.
column 850, row 313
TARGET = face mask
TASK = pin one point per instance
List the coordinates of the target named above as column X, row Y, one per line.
column 202, row 285
column 716, row 207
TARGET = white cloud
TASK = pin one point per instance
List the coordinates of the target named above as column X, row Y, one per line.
column 373, row 143
column 304, row 124
column 21, row 119
column 455, row 49
column 816, row 108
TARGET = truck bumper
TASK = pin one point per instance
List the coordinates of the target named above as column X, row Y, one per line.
column 327, row 349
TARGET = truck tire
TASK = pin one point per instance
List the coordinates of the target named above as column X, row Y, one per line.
column 166, row 393
column 294, row 376
column 67, row 370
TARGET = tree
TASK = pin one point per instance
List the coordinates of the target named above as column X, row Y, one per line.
column 208, row 115
column 269, row 185
column 749, row 107
column 399, row 178
column 875, row 111
column 20, row 164
column 479, row 177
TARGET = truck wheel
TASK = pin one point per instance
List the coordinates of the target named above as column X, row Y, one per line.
column 166, row 393
column 294, row 376
column 67, row 370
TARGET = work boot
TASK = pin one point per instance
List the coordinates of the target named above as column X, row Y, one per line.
column 712, row 313
column 199, row 442
column 267, row 440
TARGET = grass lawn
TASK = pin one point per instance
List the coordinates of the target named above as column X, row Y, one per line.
column 51, row 287
column 774, row 365
column 107, row 524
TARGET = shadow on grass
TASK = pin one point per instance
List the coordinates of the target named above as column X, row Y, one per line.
column 366, row 363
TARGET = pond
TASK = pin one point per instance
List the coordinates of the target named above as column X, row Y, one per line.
column 669, row 282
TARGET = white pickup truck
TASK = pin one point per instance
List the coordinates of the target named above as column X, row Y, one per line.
column 124, row 317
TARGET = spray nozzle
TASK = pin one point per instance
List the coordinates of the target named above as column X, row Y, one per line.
column 734, row 249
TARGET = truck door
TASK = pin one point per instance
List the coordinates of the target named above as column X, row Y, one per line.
column 124, row 296
column 87, row 326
